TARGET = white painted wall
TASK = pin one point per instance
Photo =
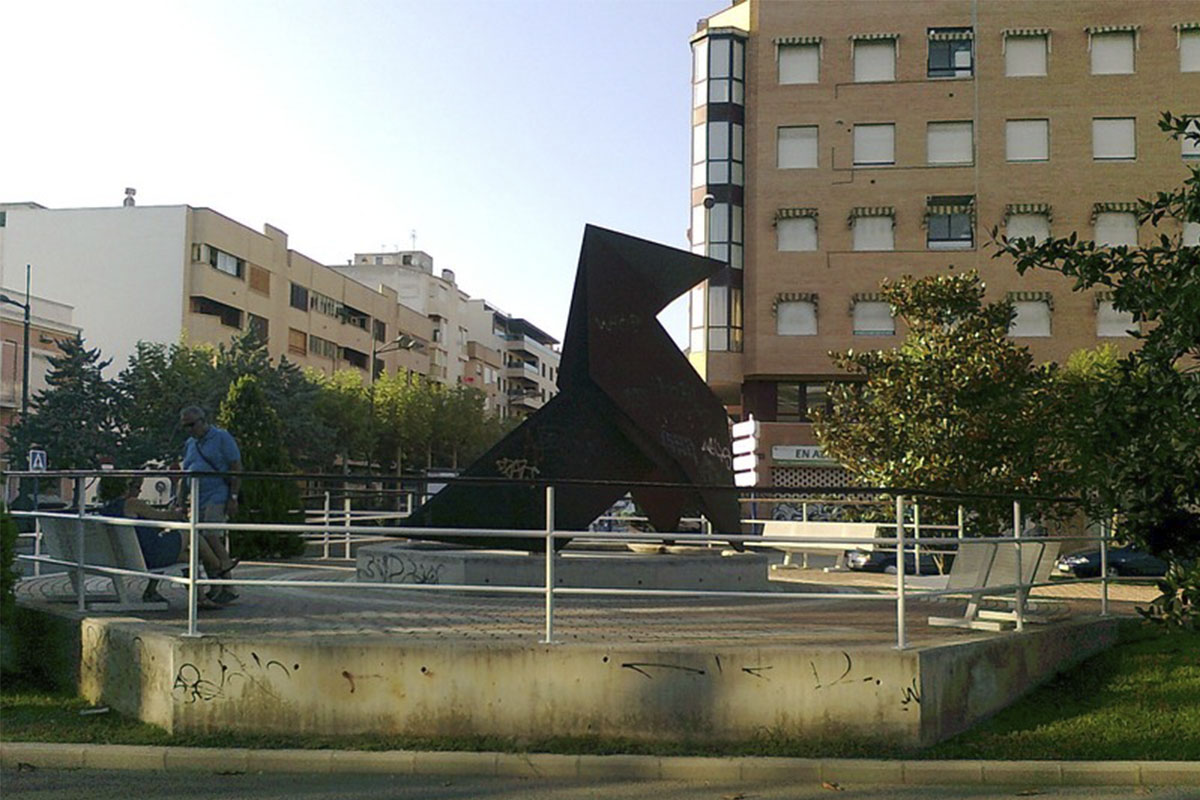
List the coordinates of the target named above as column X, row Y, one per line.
column 121, row 268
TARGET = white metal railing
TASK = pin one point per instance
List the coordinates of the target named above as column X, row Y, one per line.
column 193, row 528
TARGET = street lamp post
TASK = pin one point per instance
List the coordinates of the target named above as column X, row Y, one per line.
column 401, row 342
column 25, row 365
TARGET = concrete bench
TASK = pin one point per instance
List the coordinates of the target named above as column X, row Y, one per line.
column 983, row 569
column 105, row 545
column 825, row 537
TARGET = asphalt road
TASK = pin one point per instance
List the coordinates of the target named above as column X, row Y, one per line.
column 120, row 785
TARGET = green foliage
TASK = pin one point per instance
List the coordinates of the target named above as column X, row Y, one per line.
column 247, row 415
column 8, row 556
column 956, row 407
column 75, row 419
column 1141, row 453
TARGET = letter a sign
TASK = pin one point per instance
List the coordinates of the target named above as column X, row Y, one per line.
column 37, row 460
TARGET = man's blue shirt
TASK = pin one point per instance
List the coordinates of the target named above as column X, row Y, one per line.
column 215, row 451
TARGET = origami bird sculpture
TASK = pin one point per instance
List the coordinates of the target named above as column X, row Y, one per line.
column 630, row 410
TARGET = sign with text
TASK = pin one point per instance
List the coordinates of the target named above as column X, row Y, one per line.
column 801, row 454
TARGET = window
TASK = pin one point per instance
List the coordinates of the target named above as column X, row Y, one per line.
column 1112, row 51
column 721, row 225
column 354, row 358
column 1190, row 148
column 1116, row 228
column 299, row 297
column 718, row 156
column 796, row 234
column 1027, row 140
column 726, row 67
column 1032, row 318
column 1114, row 139
column 1189, row 52
column 949, row 143
column 1191, row 234
column 406, row 260
column 297, row 342
column 260, row 280
column 1025, row 54
column 353, row 316
column 796, row 318
column 322, row 347
column 230, row 316
column 949, row 223
column 1022, row 226
column 258, row 326
column 950, row 53
column 3, row 218
column 795, row 402
column 224, row 262
column 1113, row 323
column 873, row 318
column 724, row 318
column 874, row 144
column 797, row 147
column 379, row 330
column 799, row 63
column 325, row 304
column 874, row 231
column 874, row 59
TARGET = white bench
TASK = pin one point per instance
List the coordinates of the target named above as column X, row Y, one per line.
column 823, row 537
column 105, row 545
column 980, row 570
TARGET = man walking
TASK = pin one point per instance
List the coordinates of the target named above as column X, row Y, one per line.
column 213, row 449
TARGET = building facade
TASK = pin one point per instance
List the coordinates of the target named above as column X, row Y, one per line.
column 837, row 144
column 155, row 273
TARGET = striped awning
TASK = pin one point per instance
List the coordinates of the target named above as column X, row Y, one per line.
column 871, row 211
column 1186, row 26
column 871, row 37
column 1102, row 297
column 1028, row 208
column 1026, row 31
column 798, row 40
column 1130, row 207
column 957, row 208
column 792, row 213
column 1034, row 297
column 1095, row 29
column 793, row 297
column 868, row 297
column 951, row 36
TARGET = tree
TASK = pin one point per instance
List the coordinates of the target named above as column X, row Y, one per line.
column 75, row 418
column 1141, row 455
column 343, row 408
column 247, row 415
column 404, row 407
column 957, row 407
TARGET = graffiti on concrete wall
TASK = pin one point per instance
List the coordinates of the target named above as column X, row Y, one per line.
column 395, row 568
column 196, row 684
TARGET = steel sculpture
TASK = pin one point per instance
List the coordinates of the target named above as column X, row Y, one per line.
column 630, row 409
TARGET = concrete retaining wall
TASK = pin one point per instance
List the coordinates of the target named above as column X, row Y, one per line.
column 346, row 685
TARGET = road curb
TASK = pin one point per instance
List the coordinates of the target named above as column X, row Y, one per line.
column 843, row 771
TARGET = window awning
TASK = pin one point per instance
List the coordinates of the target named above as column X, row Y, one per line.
column 951, row 36
column 793, row 297
column 1093, row 30
column 1033, row 297
column 792, row 213
column 1026, row 31
column 871, row 37
column 798, row 40
column 1114, row 208
column 1186, row 26
column 942, row 208
column 871, row 211
column 1028, row 208
column 1102, row 297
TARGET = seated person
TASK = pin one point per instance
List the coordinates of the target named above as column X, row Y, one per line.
column 160, row 547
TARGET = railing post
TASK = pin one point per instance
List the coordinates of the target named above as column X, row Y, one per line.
column 346, row 522
column 80, row 546
column 549, row 566
column 961, row 526
column 1105, row 533
column 37, row 526
column 193, row 555
column 916, row 535
column 1020, row 566
column 900, row 632
column 325, row 543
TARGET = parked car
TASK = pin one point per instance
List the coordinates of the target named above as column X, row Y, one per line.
column 1121, row 561
column 885, row 561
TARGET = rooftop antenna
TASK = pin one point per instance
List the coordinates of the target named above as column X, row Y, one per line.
column 129, row 201
column 413, row 235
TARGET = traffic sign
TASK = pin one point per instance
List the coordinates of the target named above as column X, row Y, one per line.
column 743, row 446
column 745, row 463
column 745, row 478
column 745, row 451
column 37, row 460
column 749, row 427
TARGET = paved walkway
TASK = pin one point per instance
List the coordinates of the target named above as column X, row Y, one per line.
column 776, row 619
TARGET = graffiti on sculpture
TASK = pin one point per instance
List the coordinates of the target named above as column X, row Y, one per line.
column 616, row 422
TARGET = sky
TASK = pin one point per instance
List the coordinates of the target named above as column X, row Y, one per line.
column 495, row 130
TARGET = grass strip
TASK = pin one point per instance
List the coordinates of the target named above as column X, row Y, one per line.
column 1136, row 701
